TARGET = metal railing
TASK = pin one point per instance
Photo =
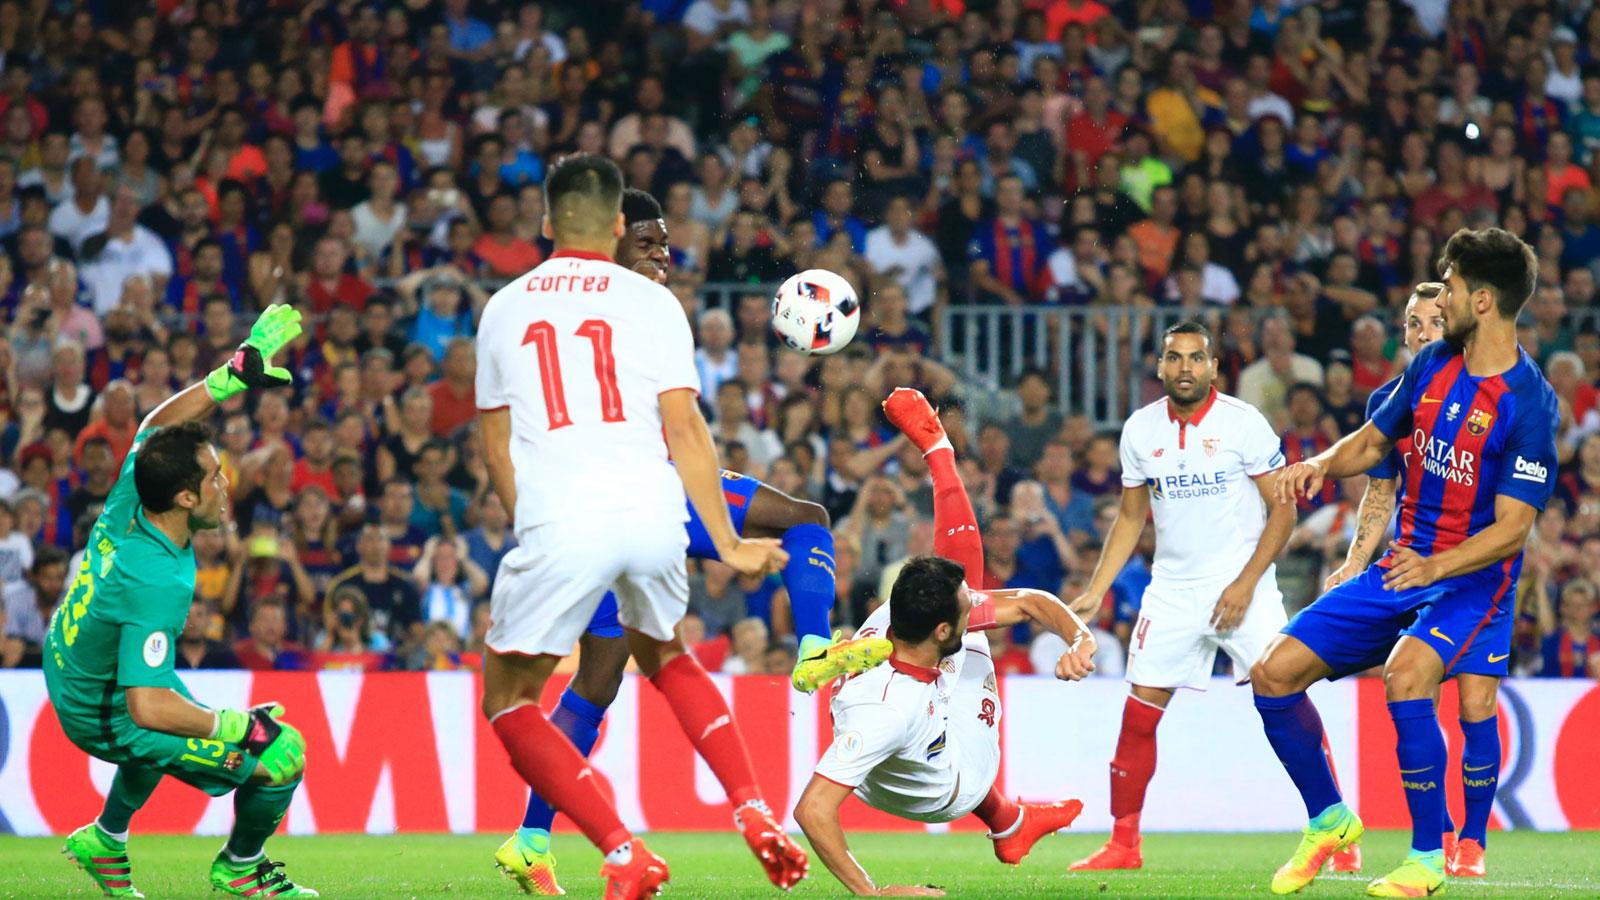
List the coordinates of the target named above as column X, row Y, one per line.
column 1101, row 358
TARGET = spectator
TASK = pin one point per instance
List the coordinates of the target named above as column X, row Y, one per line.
column 749, row 637
column 1265, row 383
column 125, row 249
column 29, row 605
column 115, row 423
column 879, row 526
column 449, row 583
column 1008, row 658
column 1008, row 253
column 492, row 539
column 268, row 646
column 1568, row 649
column 1038, row 422
column 900, row 252
column 86, row 211
column 391, row 596
column 329, row 283
column 195, row 648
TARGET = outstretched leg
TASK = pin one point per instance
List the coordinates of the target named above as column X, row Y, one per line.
column 808, row 577
column 955, row 525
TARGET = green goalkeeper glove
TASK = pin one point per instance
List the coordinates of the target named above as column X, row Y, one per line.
column 278, row 747
column 251, row 365
column 285, row 758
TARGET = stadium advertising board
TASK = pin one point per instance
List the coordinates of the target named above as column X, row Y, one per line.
column 409, row 752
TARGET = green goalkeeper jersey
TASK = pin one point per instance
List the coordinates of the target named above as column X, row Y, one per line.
column 119, row 622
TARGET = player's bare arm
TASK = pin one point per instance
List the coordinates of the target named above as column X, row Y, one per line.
column 1355, row 453
column 1372, row 520
column 695, row 454
column 495, row 431
column 1236, row 597
column 1012, row 607
column 818, row 816
column 1513, row 520
column 1119, row 546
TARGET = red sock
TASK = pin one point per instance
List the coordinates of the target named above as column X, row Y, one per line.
column 955, row 527
column 1132, row 768
column 548, row 762
column 998, row 811
column 709, row 725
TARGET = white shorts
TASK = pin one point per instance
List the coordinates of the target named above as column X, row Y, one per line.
column 974, row 732
column 548, row 588
column 1173, row 644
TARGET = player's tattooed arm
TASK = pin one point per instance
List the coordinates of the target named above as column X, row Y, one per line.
column 817, row 813
column 1372, row 519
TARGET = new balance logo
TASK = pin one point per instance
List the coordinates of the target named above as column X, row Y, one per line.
column 1530, row 470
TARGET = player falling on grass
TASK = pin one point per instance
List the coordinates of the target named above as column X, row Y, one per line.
column 1480, row 418
column 1478, row 694
column 583, row 368
column 920, row 736
column 108, row 658
column 757, row 510
column 1200, row 460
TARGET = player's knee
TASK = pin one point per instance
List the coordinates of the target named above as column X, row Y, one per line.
column 1403, row 683
column 807, row 513
column 1478, row 704
column 1272, row 676
column 597, row 687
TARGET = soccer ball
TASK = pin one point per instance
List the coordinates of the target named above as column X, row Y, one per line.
column 816, row 312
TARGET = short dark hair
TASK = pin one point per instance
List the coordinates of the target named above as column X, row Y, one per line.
column 48, row 555
column 1496, row 259
column 1189, row 326
column 168, row 463
column 925, row 594
column 583, row 194
column 639, row 206
column 1305, row 387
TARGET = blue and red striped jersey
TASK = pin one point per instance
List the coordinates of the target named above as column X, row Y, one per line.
column 1472, row 440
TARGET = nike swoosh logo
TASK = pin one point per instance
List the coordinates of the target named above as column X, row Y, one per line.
column 1478, row 769
column 1495, row 659
column 1426, row 400
column 1415, row 771
column 1441, row 635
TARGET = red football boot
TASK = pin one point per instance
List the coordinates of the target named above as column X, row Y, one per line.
column 1346, row 860
column 909, row 411
column 1466, row 861
column 1111, row 856
column 1038, row 820
column 783, row 859
column 640, row 879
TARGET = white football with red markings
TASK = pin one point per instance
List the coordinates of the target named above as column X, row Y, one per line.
column 816, row 312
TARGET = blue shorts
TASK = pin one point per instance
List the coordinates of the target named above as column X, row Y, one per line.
column 1466, row 620
column 739, row 491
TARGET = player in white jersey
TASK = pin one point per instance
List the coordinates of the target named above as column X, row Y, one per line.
column 1199, row 460
column 586, row 381
column 919, row 736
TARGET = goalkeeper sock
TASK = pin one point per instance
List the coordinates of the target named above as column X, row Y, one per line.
column 955, row 526
column 257, row 811
column 547, row 762
column 1295, row 732
column 1132, row 768
column 808, row 578
column 580, row 721
column 709, row 725
column 1420, row 749
column 130, row 789
column 1480, row 776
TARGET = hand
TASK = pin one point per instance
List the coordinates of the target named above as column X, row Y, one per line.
column 909, row 890
column 232, row 726
column 285, row 758
column 1410, row 569
column 1078, row 663
column 1231, row 606
column 761, row 556
column 251, row 366
column 1342, row 574
column 1303, row 479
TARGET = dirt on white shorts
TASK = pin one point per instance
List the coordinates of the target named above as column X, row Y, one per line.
column 548, row 588
column 1173, row 644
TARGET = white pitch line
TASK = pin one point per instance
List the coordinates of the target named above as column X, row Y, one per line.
column 1471, row 882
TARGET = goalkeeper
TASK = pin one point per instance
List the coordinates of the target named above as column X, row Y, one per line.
column 108, row 659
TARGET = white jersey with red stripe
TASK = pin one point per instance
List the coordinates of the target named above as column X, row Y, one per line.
column 580, row 350
column 1208, row 512
column 920, row 743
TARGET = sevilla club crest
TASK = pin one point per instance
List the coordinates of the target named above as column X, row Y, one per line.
column 1211, row 445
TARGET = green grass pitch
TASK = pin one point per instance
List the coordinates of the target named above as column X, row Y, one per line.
column 1521, row 864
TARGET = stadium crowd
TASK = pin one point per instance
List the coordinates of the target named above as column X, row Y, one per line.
column 1285, row 170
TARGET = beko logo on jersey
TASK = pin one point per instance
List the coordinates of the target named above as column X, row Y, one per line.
column 1443, row 460
column 1530, row 470
column 1184, row 487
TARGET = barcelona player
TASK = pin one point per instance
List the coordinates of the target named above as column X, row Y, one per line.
column 1480, row 419
column 757, row 510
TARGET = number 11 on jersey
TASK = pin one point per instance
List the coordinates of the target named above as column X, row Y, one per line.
column 542, row 335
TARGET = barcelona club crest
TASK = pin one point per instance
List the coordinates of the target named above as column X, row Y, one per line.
column 1478, row 422
column 1211, row 445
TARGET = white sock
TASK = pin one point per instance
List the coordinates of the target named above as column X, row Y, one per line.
column 622, row 855
column 942, row 444
column 243, row 862
column 123, row 837
column 1012, row 830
